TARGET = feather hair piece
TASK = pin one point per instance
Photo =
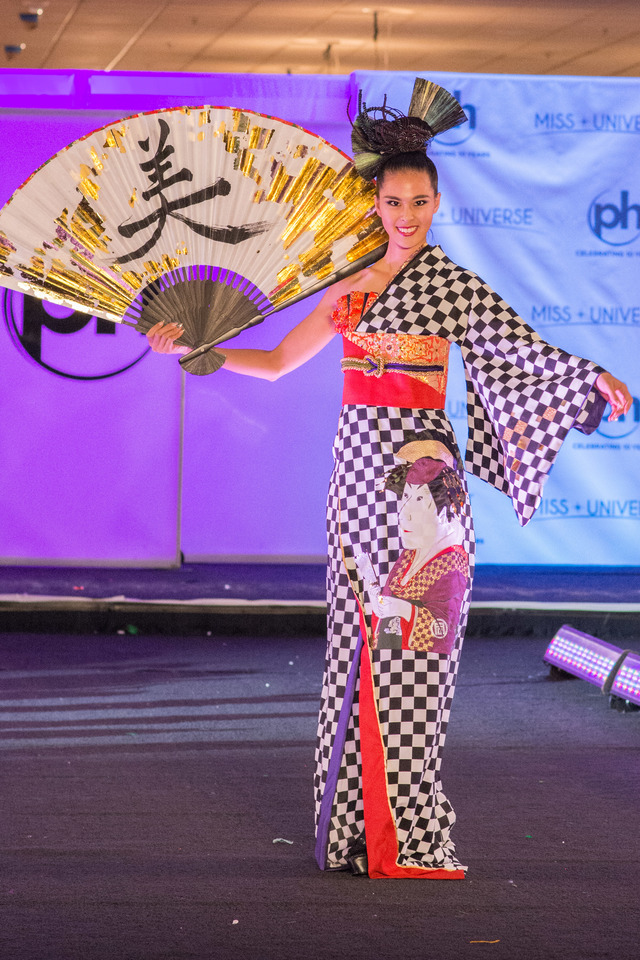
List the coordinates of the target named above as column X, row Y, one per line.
column 436, row 106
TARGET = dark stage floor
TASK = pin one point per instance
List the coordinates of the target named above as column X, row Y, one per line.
column 149, row 784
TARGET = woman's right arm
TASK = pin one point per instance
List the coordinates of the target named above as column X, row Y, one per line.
column 300, row 344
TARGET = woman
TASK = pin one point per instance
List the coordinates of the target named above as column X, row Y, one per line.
column 380, row 805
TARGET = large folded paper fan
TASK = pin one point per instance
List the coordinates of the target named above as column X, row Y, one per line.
column 209, row 216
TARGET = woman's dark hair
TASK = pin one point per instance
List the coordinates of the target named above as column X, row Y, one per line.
column 417, row 160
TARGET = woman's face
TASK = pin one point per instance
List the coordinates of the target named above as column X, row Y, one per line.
column 419, row 522
column 406, row 204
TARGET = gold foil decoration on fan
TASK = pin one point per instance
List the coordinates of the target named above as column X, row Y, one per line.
column 212, row 217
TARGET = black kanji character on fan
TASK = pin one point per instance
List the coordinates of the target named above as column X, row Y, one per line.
column 156, row 168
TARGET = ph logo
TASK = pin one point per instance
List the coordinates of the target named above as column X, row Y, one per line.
column 460, row 134
column 615, row 222
column 67, row 343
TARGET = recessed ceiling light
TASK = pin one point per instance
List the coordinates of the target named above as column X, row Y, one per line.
column 31, row 17
column 12, row 50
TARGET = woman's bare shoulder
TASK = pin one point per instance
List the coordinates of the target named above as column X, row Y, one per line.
column 337, row 290
column 368, row 280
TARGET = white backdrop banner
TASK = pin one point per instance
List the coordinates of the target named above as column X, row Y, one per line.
column 540, row 196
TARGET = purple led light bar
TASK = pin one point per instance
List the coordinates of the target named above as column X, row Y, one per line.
column 627, row 680
column 582, row 655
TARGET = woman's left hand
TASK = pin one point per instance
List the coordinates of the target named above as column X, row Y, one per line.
column 616, row 392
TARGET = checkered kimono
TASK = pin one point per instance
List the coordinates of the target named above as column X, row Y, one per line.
column 384, row 713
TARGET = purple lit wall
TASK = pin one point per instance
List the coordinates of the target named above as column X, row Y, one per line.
column 133, row 467
column 93, row 467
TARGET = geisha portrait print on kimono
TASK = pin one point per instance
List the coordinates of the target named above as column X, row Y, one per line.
column 419, row 606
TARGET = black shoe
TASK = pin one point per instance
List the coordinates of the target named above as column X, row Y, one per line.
column 357, row 859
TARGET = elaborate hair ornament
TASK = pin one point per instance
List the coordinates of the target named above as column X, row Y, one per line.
column 382, row 132
column 418, row 448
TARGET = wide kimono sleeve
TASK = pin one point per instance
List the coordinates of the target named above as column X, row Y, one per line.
column 523, row 397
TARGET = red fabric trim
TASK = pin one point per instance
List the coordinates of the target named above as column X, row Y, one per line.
column 379, row 827
column 389, row 390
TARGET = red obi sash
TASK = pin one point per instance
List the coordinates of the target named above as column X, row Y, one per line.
column 391, row 389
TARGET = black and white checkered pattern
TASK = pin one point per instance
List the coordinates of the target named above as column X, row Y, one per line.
column 414, row 690
column 414, row 699
column 523, row 395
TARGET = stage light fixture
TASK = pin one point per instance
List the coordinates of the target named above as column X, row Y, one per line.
column 12, row 50
column 614, row 671
column 582, row 655
column 626, row 683
column 31, row 17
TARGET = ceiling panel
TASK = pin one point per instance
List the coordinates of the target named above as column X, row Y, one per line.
column 591, row 37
